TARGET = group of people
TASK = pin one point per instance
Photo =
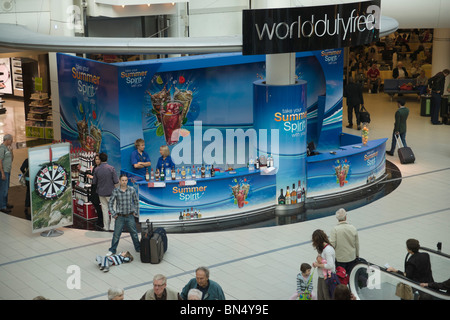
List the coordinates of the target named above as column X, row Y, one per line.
column 341, row 249
column 198, row 288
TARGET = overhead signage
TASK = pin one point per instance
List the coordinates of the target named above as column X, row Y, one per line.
column 283, row 30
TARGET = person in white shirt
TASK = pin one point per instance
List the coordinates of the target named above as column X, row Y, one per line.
column 344, row 238
column 326, row 251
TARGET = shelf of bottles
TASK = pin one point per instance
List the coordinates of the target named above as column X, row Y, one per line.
column 187, row 175
column 81, row 172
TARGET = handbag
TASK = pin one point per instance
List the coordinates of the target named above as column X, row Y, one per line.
column 364, row 115
column 306, row 295
column 404, row 291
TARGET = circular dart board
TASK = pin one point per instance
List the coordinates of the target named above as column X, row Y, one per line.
column 51, row 181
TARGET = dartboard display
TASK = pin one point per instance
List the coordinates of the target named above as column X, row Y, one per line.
column 51, row 181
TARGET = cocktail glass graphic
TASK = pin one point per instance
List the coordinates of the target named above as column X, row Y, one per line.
column 158, row 100
column 171, row 120
column 185, row 97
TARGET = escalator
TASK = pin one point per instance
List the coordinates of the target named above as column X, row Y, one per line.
column 372, row 282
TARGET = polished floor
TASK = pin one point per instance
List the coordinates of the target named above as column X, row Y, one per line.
column 251, row 264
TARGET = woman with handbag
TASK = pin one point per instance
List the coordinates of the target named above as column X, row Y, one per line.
column 326, row 251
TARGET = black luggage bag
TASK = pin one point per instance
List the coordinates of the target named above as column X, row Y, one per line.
column 152, row 245
column 364, row 115
column 405, row 154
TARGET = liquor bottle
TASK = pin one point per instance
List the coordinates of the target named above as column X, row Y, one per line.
column 152, row 175
column 281, row 198
column 257, row 164
column 193, row 172
column 213, row 172
column 188, row 215
column 184, row 214
column 162, row 175
column 293, row 195
column 208, row 172
column 288, row 196
column 157, row 175
column 183, row 173
column 181, row 216
column 188, row 173
column 299, row 192
column 203, row 171
column 147, row 175
column 199, row 214
column 173, row 173
column 269, row 160
column 303, row 193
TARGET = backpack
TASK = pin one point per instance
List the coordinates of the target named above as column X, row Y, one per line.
column 342, row 275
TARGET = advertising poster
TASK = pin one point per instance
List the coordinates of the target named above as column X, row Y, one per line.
column 5, row 76
column 89, row 106
column 50, row 187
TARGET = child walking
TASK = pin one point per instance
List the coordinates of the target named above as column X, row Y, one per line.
column 104, row 262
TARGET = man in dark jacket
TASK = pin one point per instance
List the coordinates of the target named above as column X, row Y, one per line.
column 436, row 84
column 399, row 126
column 353, row 93
column 399, row 72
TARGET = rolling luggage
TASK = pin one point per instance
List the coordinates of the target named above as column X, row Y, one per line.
column 152, row 244
column 145, row 245
column 405, row 154
column 163, row 234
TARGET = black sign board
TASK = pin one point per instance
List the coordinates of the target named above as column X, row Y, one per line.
column 295, row 29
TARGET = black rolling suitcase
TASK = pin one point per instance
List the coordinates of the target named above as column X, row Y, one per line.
column 145, row 245
column 405, row 154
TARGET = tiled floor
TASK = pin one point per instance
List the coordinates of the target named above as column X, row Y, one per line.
column 255, row 264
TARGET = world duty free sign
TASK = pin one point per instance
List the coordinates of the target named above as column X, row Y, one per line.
column 296, row 29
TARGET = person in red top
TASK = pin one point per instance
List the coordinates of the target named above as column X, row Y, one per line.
column 373, row 75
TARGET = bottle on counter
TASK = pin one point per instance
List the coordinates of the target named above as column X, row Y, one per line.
column 181, row 216
column 152, row 175
column 257, row 164
column 299, row 192
column 157, row 175
column 293, row 195
column 173, row 173
column 147, row 175
column 183, row 173
column 213, row 172
column 162, row 175
column 303, row 193
column 203, row 170
column 288, row 196
column 281, row 198
column 193, row 172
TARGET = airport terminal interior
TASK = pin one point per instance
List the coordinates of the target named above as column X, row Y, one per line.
column 250, row 263
column 254, row 264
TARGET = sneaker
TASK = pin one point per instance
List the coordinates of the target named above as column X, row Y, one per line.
column 106, row 269
column 349, row 126
column 389, row 153
column 109, row 253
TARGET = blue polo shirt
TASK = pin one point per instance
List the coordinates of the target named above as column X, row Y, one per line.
column 137, row 157
column 166, row 163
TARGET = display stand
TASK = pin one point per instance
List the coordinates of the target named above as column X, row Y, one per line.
column 52, row 233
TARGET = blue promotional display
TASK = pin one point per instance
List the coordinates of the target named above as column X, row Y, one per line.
column 216, row 112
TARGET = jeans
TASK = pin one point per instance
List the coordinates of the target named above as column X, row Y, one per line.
column 4, row 186
column 129, row 222
column 394, row 141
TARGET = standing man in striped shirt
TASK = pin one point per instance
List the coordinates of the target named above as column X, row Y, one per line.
column 123, row 205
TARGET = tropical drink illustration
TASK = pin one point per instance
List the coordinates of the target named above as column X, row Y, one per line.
column 158, row 100
column 185, row 97
column 171, row 120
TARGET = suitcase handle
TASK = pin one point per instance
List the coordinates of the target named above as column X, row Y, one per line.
column 399, row 142
column 149, row 227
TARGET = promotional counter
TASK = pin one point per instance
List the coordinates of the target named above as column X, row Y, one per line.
column 227, row 192
column 217, row 110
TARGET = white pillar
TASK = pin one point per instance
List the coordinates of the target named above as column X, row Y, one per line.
column 441, row 51
column 280, row 68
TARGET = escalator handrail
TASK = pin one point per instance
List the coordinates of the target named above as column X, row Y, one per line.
column 439, row 253
column 413, row 284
